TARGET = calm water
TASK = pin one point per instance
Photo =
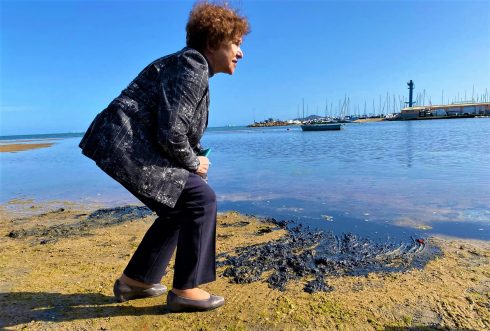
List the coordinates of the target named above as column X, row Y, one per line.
column 378, row 179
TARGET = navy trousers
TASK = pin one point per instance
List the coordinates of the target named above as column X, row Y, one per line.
column 190, row 227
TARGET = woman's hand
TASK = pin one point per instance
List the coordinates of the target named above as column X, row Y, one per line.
column 203, row 165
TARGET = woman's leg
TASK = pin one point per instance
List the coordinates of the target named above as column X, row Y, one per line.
column 191, row 226
column 149, row 261
column 195, row 260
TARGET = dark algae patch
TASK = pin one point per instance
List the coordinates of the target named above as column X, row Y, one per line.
column 98, row 219
column 304, row 253
column 117, row 215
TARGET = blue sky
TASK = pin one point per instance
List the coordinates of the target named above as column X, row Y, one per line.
column 62, row 62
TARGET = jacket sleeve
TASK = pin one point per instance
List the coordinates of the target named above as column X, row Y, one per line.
column 183, row 85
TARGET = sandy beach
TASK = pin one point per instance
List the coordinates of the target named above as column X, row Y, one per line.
column 57, row 269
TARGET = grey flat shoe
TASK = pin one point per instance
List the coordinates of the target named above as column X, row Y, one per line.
column 124, row 292
column 177, row 304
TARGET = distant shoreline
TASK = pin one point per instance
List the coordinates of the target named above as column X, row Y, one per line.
column 41, row 136
column 367, row 120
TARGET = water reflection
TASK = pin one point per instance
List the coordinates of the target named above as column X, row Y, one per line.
column 409, row 141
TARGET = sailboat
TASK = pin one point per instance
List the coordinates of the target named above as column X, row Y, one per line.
column 320, row 126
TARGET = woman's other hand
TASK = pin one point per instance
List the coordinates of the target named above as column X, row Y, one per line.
column 203, row 165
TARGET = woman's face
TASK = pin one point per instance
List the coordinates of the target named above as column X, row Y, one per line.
column 225, row 58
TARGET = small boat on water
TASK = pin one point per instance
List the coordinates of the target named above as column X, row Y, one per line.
column 321, row 127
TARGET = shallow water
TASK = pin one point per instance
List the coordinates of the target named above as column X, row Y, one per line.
column 384, row 179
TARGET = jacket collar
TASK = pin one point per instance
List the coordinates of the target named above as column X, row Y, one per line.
column 210, row 68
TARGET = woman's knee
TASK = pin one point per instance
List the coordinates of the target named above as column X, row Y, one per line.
column 208, row 196
column 198, row 192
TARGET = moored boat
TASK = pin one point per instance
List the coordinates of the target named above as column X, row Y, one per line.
column 321, row 127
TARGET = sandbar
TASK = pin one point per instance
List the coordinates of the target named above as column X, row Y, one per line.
column 22, row 147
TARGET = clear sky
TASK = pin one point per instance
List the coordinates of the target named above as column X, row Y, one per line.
column 62, row 62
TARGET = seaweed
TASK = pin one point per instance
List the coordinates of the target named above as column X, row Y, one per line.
column 98, row 219
column 305, row 253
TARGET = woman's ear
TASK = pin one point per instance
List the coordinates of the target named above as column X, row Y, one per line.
column 209, row 48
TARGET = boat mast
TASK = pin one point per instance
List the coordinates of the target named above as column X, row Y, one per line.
column 326, row 107
column 303, row 109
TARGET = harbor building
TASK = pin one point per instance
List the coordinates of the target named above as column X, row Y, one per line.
column 451, row 110
column 454, row 110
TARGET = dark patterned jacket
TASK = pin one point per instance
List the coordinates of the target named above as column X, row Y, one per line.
column 149, row 136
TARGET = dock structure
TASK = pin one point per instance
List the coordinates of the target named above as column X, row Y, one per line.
column 454, row 110
column 451, row 110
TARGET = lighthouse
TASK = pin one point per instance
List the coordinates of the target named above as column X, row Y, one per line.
column 411, row 85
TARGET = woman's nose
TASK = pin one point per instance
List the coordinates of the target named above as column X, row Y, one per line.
column 239, row 53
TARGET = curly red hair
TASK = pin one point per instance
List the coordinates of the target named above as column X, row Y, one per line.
column 210, row 25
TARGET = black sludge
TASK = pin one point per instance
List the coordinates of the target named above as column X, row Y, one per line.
column 120, row 214
column 98, row 219
column 316, row 254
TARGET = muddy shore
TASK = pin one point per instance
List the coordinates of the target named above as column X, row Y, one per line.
column 59, row 261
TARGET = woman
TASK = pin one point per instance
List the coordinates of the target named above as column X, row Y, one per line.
column 148, row 140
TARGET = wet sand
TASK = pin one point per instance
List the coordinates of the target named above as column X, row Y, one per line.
column 15, row 147
column 62, row 279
